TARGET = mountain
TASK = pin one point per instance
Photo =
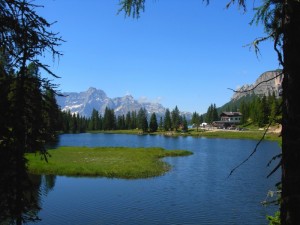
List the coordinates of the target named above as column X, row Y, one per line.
column 83, row 103
column 266, row 84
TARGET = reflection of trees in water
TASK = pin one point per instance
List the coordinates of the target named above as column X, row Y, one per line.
column 20, row 193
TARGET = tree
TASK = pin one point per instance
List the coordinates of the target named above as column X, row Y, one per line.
column 244, row 109
column 184, row 124
column 161, row 124
column 167, row 120
column 26, row 98
column 212, row 114
column 215, row 115
column 196, row 120
column 24, row 37
column 142, row 120
column 95, row 120
column 281, row 20
column 128, row 121
column 109, row 119
column 153, row 123
column 175, row 116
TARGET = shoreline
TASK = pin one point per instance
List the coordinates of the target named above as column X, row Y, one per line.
column 209, row 133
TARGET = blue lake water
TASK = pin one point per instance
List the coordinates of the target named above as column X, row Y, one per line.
column 196, row 191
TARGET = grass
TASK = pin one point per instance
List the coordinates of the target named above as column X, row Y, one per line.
column 112, row 162
column 253, row 134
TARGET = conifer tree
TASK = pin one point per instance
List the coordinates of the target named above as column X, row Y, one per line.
column 142, row 120
column 109, row 119
column 175, row 117
column 184, row 124
column 133, row 120
column 167, row 120
column 161, row 125
column 153, row 126
column 128, row 121
column 196, row 120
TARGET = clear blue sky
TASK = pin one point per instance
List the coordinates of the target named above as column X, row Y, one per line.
column 179, row 52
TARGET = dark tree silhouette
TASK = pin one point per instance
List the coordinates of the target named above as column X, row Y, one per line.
column 26, row 99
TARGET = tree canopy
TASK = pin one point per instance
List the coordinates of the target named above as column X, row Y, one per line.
column 27, row 104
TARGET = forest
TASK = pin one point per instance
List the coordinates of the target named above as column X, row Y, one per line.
column 257, row 111
column 140, row 120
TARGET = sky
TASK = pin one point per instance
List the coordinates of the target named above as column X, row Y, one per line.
column 179, row 52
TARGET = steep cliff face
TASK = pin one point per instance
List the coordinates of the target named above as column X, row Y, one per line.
column 266, row 84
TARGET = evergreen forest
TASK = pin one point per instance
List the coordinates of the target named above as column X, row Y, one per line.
column 258, row 111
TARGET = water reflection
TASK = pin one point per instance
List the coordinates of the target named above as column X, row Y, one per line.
column 20, row 193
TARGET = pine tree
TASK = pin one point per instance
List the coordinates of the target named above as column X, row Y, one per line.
column 133, row 120
column 128, row 122
column 184, row 124
column 209, row 114
column 109, row 119
column 175, row 117
column 161, row 125
column 94, row 125
column 153, row 123
column 196, row 120
column 142, row 120
column 167, row 120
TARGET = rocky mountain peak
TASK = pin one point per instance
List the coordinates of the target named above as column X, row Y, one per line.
column 84, row 102
column 266, row 84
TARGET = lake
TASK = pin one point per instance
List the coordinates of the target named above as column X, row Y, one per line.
column 196, row 191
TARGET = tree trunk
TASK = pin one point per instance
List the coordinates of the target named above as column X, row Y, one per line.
column 290, row 206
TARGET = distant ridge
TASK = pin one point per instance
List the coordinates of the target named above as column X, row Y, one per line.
column 83, row 103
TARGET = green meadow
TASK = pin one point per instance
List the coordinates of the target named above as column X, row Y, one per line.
column 112, row 162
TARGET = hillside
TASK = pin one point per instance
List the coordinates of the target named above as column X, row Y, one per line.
column 265, row 84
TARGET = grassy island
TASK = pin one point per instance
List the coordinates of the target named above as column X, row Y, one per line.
column 113, row 162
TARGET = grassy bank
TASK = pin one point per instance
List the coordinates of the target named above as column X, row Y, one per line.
column 113, row 162
column 254, row 134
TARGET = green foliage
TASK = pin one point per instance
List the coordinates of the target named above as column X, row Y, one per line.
column 274, row 220
column 27, row 104
column 257, row 110
column 116, row 162
column 95, row 121
column 109, row 119
column 142, row 121
column 31, row 111
column 262, row 111
column 184, row 124
column 161, row 124
column 74, row 123
column 175, row 118
column 167, row 120
column 196, row 120
column 132, row 7
column 212, row 114
column 153, row 126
